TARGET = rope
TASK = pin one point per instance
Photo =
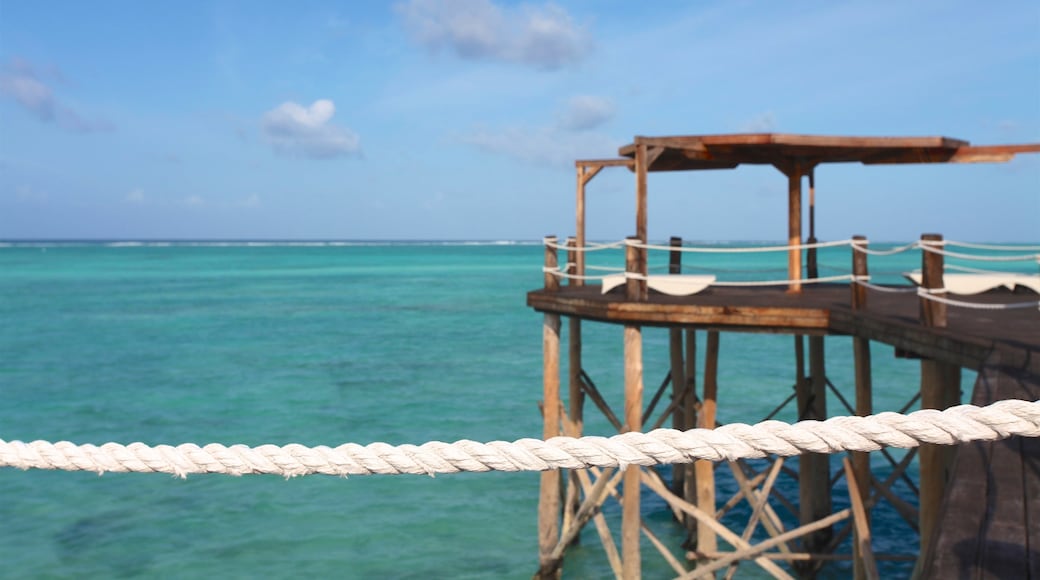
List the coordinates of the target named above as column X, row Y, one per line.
column 783, row 282
column 1020, row 258
column 889, row 289
column 996, row 247
column 930, row 294
column 891, row 252
column 663, row 446
column 586, row 248
column 702, row 249
column 978, row 270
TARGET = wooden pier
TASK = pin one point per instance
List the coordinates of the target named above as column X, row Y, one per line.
column 946, row 337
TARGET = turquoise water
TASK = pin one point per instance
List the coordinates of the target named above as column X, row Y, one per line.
column 325, row 344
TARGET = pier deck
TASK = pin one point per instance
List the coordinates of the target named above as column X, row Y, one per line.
column 824, row 309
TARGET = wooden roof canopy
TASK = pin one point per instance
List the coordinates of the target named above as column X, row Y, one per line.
column 692, row 152
column 794, row 155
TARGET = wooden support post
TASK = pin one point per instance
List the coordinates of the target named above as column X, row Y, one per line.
column 575, row 395
column 811, row 265
column 689, row 406
column 705, row 470
column 549, row 497
column 814, row 468
column 940, row 389
column 552, row 282
column 861, row 460
column 678, row 368
column 635, row 264
column 579, row 230
column 641, row 170
column 932, row 313
column 630, row 517
column 863, row 553
column 859, row 271
column 794, row 227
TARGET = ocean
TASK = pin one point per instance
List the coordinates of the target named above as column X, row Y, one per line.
column 322, row 344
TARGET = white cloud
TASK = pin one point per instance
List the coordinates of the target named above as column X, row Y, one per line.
column 194, row 201
column 20, row 81
column 135, row 196
column 764, row 123
column 297, row 130
column 543, row 146
column 585, row 112
column 544, row 37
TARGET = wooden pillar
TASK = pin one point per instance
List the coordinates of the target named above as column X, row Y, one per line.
column 689, row 492
column 635, row 263
column 859, row 270
column 811, row 266
column 814, row 468
column 794, row 227
column 707, row 542
column 579, row 229
column 630, row 518
column 678, row 369
column 549, row 495
column 641, row 169
column 940, row 389
column 575, row 394
column 864, row 395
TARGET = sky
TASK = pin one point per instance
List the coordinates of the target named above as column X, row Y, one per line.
column 461, row 119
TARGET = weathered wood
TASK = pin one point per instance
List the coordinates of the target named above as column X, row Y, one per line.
column 552, row 282
column 794, row 228
column 573, row 427
column 705, row 470
column 635, row 263
column 866, row 567
column 549, row 496
column 814, row 498
column 630, row 516
column 772, row 523
column 602, row 529
column 859, row 270
column 678, row 373
column 933, row 313
column 597, row 399
column 641, row 171
column 690, row 403
column 861, row 460
column 708, row 520
column 940, row 389
column 811, row 266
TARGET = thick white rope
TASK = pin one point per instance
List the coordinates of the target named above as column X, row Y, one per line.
column 663, row 446
column 931, row 294
column 891, row 252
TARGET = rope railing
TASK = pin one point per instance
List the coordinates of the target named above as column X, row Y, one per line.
column 951, row 426
column 933, row 294
column 753, row 249
column 994, row 247
column 931, row 247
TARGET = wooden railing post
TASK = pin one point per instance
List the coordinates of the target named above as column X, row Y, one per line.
column 572, row 262
column 675, row 256
column 932, row 313
column 552, row 264
column 635, row 263
column 859, row 271
column 940, row 389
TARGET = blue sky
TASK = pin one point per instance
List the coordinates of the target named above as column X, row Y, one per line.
column 460, row 119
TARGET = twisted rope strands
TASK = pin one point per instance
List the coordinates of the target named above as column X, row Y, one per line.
column 663, row 446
